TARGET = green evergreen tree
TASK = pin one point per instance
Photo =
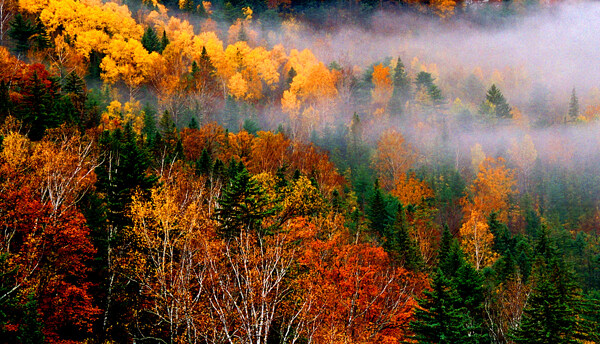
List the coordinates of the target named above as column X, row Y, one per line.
column 149, row 128
column 5, row 102
column 453, row 311
column 204, row 164
column 164, row 41
column 290, row 77
column 401, row 92
column 495, row 104
column 437, row 319
column 21, row 30
column 424, row 80
column 377, row 212
column 553, row 311
column 402, row 243
column 193, row 124
column 37, row 107
column 573, row 107
column 436, row 95
column 40, row 39
column 151, row 42
column 242, row 206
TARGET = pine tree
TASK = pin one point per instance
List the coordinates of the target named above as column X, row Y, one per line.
column 149, row 128
column 204, row 163
column 453, row 311
column 290, row 77
column 151, row 42
column 242, row 207
column 21, row 31
column 437, row 319
column 424, row 80
column 553, row 310
column 5, row 102
column 40, row 37
column 495, row 104
column 573, row 106
column 164, row 42
column 401, row 92
column 377, row 213
column 36, row 108
column 435, row 94
column 402, row 243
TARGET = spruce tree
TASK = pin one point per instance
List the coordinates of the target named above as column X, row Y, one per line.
column 452, row 312
column 437, row 319
column 150, row 41
column 401, row 91
column 290, row 77
column 164, row 41
column 495, row 104
column 40, row 37
column 242, row 207
column 5, row 102
column 21, row 31
column 402, row 243
column 377, row 213
column 573, row 106
column 204, row 163
column 553, row 311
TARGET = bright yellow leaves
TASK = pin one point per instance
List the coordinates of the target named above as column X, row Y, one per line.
column 311, row 92
column 90, row 24
column 16, row 150
column 248, row 70
column 238, row 87
column 127, row 61
column 477, row 241
column 116, row 115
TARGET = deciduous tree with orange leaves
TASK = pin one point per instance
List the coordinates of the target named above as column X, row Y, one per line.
column 491, row 192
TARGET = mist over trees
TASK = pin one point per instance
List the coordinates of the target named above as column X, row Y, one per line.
column 299, row 171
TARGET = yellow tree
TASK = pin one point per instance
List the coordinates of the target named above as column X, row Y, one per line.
column 89, row 24
column 310, row 95
column 477, row 240
column 127, row 61
column 170, row 234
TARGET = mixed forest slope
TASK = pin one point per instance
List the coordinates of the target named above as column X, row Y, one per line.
column 249, row 172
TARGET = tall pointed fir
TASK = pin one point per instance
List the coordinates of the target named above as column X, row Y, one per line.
column 452, row 312
column 377, row 213
column 150, row 41
column 401, row 91
column 402, row 244
column 553, row 311
column 495, row 104
column 242, row 207
column 573, row 107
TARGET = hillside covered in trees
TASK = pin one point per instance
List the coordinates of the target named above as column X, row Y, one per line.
column 303, row 171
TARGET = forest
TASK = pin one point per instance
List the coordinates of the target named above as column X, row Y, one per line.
column 299, row 171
